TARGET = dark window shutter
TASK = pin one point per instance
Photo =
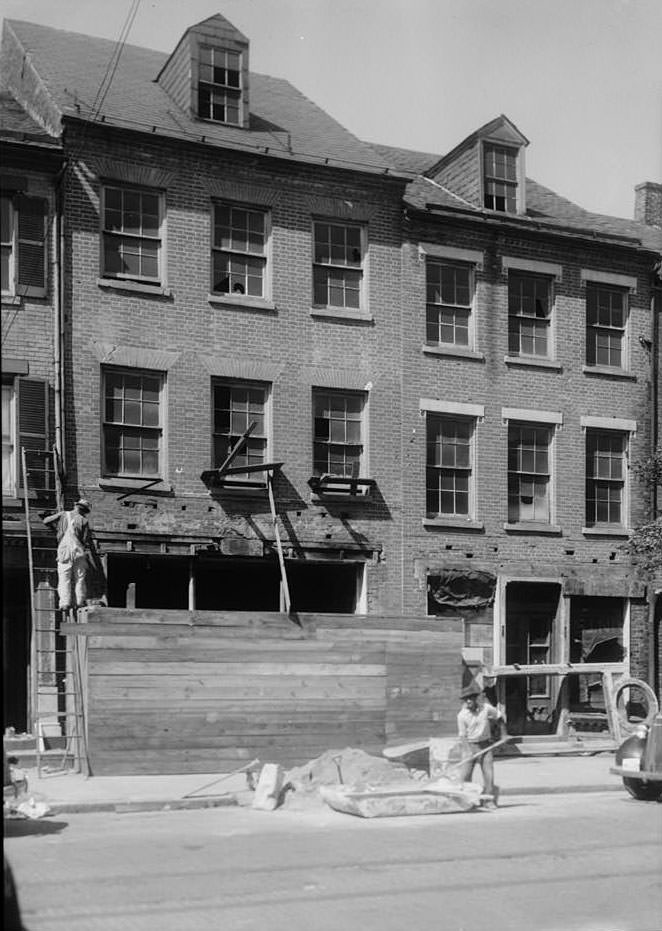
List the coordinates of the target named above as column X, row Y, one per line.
column 32, row 240
column 33, row 434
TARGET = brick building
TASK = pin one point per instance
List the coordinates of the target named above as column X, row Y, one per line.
column 437, row 369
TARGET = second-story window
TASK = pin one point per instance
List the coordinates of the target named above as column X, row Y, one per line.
column 236, row 406
column 449, row 298
column 239, row 251
column 605, row 478
column 500, row 178
column 338, row 433
column 132, row 244
column 338, row 251
column 449, row 466
column 219, row 85
column 606, row 315
column 529, row 474
column 529, row 315
column 133, row 423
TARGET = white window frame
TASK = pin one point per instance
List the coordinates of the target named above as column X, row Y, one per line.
column 485, row 177
column 11, row 490
column 362, row 396
column 341, row 309
column 159, row 430
column 440, row 417
column 623, row 429
column 516, row 423
column 517, row 273
column 10, row 245
column 439, row 306
column 158, row 281
column 265, row 436
column 592, row 329
column 265, row 255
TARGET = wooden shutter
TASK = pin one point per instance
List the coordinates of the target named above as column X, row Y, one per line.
column 32, row 405
column 32, row 239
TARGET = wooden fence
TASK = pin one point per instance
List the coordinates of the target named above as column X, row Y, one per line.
column 205, row 692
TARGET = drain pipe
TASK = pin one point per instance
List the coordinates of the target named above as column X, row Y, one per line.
column 654, row 590
column 58, row 331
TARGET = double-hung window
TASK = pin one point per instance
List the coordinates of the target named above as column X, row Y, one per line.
column 236, row 407
column 605, row 478
column 529, row 473
column 132, row 234
column 26, row 433
column 8, row 440
column 500, row 178
column 338, row 447
column 219, row 85
column 529, row 315
column 606, row 317
column 239, row 251
column 133, row 423
column 23, row 245
column 449, row 467
column 449, row 298
column 338, row 265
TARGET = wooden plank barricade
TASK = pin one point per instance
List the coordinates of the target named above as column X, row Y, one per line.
column 203, row 692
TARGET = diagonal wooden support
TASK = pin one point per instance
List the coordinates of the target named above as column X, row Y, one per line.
column 279, row 547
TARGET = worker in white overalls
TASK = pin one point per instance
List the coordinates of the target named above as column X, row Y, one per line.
column 74, row 543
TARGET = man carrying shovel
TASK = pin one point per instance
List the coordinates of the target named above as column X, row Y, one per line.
column 474, row 730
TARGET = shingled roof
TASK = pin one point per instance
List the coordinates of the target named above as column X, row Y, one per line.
column 16, row 125
column 544, row 207
column 283, row 122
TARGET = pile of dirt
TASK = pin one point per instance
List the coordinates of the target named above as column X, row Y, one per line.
column 349, row 767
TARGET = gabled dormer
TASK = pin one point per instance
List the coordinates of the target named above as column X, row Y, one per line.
column 207, row 75
column 487, row 169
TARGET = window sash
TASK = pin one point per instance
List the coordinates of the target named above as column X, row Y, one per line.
column 449, row 466
column 132, row 424
column 338, row 434
column 132, row 234
column 529, row 474
column 239, row 250
column 235, row 406
column 449, row 302
column 605, row 478
column 7, row 245
column 8, row 440
column 606, row 317
column 338, row 254
column 500, row 178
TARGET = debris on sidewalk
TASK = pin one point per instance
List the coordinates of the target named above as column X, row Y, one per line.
column 269, row 788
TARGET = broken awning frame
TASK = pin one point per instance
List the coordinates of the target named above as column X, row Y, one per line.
column 214, row 478
column 341, row 485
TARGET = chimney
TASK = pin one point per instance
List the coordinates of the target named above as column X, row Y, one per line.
column 648, row 203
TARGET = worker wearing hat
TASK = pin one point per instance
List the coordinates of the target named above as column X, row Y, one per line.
column 474, row 729
column 74, row 543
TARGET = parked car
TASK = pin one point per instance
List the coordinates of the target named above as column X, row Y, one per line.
column 639, row 761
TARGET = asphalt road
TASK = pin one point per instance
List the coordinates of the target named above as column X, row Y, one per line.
column 583, row 862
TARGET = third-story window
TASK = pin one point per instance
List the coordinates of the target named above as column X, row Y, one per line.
column 337, row 440
column 219, row 87
column 529, row 315
column 237, row 406
column 132, row 426
column 239, row 251
column 605, row 477
column 337, row 265
column 24, row 239
column 500, row 178
column 449, row 297
column 529, row 473
column 449, row 466
column 132, row 234
column 606, row 314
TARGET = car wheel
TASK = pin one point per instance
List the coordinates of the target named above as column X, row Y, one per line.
column 642, row 790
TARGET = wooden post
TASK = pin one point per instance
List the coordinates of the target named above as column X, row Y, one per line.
column 281, row 559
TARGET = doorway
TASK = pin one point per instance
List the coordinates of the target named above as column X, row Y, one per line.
column 532, row 609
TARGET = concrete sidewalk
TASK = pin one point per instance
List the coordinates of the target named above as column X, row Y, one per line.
column 67, row 792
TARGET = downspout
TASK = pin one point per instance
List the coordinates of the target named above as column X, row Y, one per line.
column 656, row 308
column 58, row 328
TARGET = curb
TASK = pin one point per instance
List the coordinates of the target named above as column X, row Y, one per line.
column 230, row 801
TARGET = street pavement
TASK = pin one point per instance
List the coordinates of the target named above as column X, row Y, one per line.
column 64, row 791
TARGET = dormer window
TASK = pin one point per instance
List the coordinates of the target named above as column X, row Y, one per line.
column 500, row 178
column 219, row 87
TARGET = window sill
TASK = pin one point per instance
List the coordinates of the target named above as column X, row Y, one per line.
column 608, row 370
column 135, row 485
column 606, row 531
column 532, row 527
column 458, row 352
column 342, row 313
column 241, row 303
column 227, row 489
column 11, row 300
column 453, row 523
column 533, row 362
column 135, row 287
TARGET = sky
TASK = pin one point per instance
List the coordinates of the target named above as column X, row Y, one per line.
column 581, row 79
